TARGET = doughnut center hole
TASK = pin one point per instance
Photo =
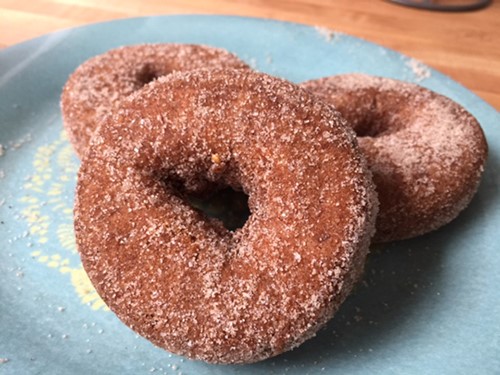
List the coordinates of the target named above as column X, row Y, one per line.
column 371, row 127
column 146, row 74
column 372, row 119
column 228, row 205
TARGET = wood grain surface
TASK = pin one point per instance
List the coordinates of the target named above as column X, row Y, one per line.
column 465, row 46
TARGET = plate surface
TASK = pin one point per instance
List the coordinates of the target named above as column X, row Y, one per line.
column 426, row 306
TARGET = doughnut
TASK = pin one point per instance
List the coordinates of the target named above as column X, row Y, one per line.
column 426, row 152
column 181, row 279
column 101, row 82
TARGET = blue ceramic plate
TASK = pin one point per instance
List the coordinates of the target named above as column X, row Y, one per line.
column 426, row 306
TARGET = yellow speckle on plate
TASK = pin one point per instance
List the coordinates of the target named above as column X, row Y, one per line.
column 65, row 269
column 44, row 195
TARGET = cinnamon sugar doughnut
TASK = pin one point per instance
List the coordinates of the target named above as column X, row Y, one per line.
column 101, row 82
column 183, row 280
column 426, row 152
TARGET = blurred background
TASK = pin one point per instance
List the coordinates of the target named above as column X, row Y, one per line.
column 464, row 45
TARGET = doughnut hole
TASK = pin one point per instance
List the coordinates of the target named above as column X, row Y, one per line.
column 146, row 74
column 228, row 205
column 213, row 200
column 374, row 124
column 371, row 128
column 368, row 115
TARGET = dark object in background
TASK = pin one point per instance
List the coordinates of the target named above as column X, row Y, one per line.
column 445, row 5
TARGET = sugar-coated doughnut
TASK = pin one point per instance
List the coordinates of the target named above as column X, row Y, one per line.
column 181, row 279
column 426, row 152
column 101, row 82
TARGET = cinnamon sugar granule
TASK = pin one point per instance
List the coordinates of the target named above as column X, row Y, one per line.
column 420, row 70
column 327, row 34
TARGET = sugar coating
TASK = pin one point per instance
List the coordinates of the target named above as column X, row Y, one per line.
column 420, row 70
column 100, row 83
column 184, row 281
column 426, row 152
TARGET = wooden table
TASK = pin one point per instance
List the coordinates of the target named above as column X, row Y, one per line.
column 465, row 46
